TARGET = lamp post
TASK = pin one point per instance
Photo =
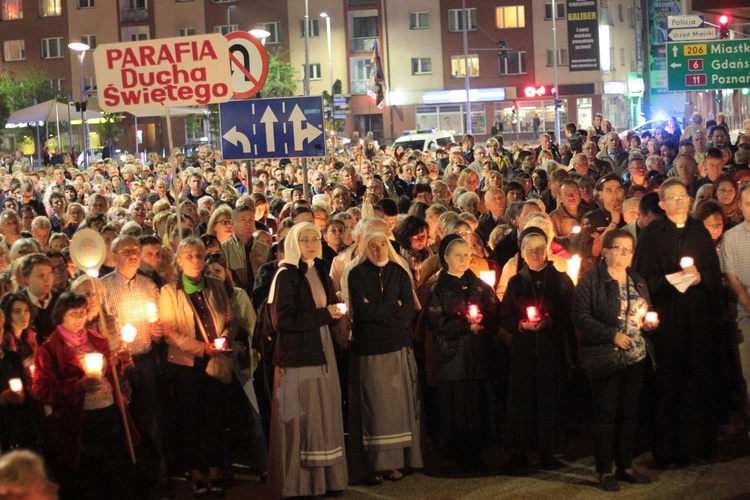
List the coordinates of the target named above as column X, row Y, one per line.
column 330, row 50
column 81, row 48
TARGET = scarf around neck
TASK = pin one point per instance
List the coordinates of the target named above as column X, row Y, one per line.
column 191, row 286
column 75, row 339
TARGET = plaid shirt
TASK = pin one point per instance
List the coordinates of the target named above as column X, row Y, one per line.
column 126, row 300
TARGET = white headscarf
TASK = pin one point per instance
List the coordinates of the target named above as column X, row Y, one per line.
column 392, row 255
column 292, row 252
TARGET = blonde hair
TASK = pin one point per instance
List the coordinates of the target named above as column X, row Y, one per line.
column 20, row 472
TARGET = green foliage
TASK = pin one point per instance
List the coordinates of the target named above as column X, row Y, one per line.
column 280, row 81
column 18, row 92
column 109, row 127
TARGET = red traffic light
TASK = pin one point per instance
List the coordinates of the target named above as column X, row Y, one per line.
column 724, row 20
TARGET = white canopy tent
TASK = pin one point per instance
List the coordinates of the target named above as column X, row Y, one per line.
column 47, row 111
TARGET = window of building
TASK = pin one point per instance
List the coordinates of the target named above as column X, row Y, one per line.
column 631, row 17
column 633, row 61
column 12, row 9
column 275, row 32
column 562, row 57
column 225, row 30
column 456, row 20
column 85, row 4
column 622, row 57
column 223, row 1
column 360, row 74
column 137, row 4
column 458, row 66
column 419, row 20
column 187, row 31
column 52, row 48
column 57, row 85
column 89, row 40
column 365, row 27
column 89, row 82
column 314, row 71
column 137, row 37
column 560, row 6
column 14, row 50
column 421, row 66
column 314, row 27
column 619, row 13
column 514, row 63
column 50, row 8
column 512, row 16
column 361, row 3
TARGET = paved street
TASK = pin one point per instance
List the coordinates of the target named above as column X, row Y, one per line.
column 728, row 477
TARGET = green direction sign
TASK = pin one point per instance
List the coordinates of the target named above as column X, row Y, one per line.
column 703, row 65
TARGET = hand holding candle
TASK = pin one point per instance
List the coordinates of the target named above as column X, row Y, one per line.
column 220, row 343
column 152, row 312
column 94, row 364
column 686, row 262
column 128, row 333
column 473, row 312
column 575, row 230
column 342, row 308
column 16, row 385
column 532, row 314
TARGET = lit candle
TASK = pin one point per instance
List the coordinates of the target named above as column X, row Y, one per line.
column 151, row 311
column 93, row 273
column 93, row 364
column 652, row 317
column 32, row 370
column 342, row 308
column 16, row 385
column 532, row 313
column 128, row 333
column 473, row 311
column 220, row 343
column 574, row 267
column 686, row 262
column 488, row 277
column 576, row 229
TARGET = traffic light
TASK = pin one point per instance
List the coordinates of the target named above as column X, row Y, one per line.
column 723, row 27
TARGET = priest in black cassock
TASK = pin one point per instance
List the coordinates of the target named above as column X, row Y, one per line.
column 688, row 390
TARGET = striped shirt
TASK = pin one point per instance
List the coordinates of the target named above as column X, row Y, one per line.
column 126, row 300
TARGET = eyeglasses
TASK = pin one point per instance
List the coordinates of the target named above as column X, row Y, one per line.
column 77, row 314
column 306, row 241
column 89, row 295
column 129, row 252
column 224, row 222
column 676, row 197
column 622, row 250
column 464, row 233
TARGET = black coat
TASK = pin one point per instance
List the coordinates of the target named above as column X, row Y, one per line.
column 297, row 319
column 538, row 360
column 382, row 301
column 596, row 310
column 462, row 355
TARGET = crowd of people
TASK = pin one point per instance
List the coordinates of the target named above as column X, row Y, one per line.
column 455, row 300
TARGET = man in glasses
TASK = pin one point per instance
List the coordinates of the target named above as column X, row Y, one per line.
column 677, row 258
column 244, row 255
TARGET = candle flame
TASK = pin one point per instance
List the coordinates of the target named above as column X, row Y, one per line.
column 574, row 267
column 128, row 333
column 488, row 277
column 16, row 385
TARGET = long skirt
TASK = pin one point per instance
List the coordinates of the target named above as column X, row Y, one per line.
column 307, row 456
column 384, row 419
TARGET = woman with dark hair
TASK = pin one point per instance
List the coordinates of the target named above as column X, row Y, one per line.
column 609, row 311
column 711, row 213
column 539, row 183
column 85, row 431
column 307, row 455
column 211, row 242
column 196, row 314
column 727, row 194
column 383, row 418
column 514, row 191
column 412, row 236
column 17, row 336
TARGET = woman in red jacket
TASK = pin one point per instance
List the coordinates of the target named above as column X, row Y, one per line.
column 84, row 428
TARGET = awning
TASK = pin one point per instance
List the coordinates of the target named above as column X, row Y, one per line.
column 48, row 111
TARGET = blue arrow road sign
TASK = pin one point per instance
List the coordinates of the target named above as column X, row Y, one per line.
column 286, row 127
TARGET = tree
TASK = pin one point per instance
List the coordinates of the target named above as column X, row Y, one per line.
column 280, row 81
column 334, row 124
column 18, row 92
column 109, row 130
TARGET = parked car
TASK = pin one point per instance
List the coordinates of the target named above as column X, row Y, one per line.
column 424, row 140
column 648, row 126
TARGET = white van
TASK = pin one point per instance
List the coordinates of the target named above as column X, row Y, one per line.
column 423, row 140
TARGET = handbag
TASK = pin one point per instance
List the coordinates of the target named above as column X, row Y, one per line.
column 219, row 366
column 603, row 365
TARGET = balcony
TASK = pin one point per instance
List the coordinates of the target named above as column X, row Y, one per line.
column 358, row 87
column 134, row 15
column 362, row 44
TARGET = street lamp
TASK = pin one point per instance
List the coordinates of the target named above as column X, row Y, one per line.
column 260, row 34
column 81, row 48
column 330, row 53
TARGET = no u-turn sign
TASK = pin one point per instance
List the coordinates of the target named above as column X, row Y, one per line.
column 249, row 62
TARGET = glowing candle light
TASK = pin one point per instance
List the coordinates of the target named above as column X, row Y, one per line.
column 128, row 333
column 151, row 311
column 32, row 370
column 652, row 317
column 576, row 230
column 686, row 262
column 220, row 343
column 94, row 273
column 532, row 313
column 342, row 308
column 488, row 277
column 94, row 364
column 473, row 311
column 16, row 385
column 574, row 267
